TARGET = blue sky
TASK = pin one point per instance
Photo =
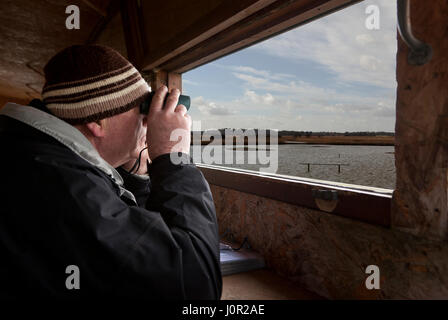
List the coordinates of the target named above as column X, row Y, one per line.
column 333, row 74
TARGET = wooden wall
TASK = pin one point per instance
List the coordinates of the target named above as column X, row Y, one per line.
column 420, row 200
column 328, row 254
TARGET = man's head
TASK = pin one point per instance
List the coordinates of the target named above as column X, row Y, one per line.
column 98, row 91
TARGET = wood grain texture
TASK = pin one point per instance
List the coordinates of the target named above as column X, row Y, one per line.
column 420, row 204
column 328, row 255
column 262, row 285
column 171, row 27
column 31, row 33
column 376, row 207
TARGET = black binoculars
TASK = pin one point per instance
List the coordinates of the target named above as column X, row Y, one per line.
column 144, row 106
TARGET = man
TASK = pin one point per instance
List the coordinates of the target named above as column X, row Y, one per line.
column 70, row 226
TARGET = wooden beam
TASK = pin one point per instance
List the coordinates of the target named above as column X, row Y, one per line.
column 133, row 32
column 175, row 81
column 171, row 27
column 195, row 23
column 111, row 11
column 99, row 6
column 277, row 18
column 6, row 99
column 161, row 77
column 158, row 79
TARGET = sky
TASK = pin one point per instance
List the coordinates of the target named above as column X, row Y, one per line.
column 332, row 74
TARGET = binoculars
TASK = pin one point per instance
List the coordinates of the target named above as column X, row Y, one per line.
column 144, row 106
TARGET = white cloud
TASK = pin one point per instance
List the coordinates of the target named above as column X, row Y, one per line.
column 384, row 110
column 247, row 69
column 276, row 112
column 341, row 43
column 210, row 108
column 262, row 73
column 266, row 99
column 302, row 95
column 189, row 82
column 291, row 88
column 364, row 39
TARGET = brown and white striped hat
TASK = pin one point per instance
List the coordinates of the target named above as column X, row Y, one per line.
column 86, row 83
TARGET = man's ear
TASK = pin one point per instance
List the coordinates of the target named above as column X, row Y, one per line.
column 97, row 128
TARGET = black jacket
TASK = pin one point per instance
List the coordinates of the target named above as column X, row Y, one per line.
column 58, row 208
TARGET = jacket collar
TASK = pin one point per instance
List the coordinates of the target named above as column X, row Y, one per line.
column 66, row 134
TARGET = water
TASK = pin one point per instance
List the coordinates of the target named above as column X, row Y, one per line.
column 367, row 165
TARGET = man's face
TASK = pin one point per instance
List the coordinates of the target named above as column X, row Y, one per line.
column 126, row 135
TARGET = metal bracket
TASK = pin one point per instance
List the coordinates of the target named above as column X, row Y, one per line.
column 326, row 200
column 420, row 52
column 328, row 195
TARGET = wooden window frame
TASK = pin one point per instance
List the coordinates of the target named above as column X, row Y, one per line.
column 367, row 204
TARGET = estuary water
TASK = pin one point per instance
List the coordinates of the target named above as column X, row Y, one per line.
column 362, row 165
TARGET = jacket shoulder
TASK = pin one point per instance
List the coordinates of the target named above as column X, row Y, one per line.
column 26, row 143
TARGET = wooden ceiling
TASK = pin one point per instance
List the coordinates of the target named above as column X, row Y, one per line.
column 174, row 35
column 31, row 32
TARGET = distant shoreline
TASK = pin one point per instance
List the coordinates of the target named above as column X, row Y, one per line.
column 330, row 140
column 340, row 140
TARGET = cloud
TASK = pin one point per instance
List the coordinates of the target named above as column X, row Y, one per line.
column 384, row 110
column 343, row 45
column 262, row 73
column 210, row 108
column 299, row 94
column 361, row 61
column 267, row 99
column 266, row 110
column 291, row 88
column 190, row 82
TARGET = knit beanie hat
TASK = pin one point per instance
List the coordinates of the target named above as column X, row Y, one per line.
column 86, row 83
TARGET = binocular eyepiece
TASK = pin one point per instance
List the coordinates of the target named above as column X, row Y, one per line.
column 144, row 106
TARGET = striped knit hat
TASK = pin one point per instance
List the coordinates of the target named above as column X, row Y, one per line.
column 86, row 83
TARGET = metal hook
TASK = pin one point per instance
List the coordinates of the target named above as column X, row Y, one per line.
column 420, row 52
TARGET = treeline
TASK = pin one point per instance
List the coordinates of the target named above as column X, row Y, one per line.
column 316, row 133
column 239, row 130
column 334, row 134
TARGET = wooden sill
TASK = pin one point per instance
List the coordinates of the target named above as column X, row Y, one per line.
column 367, row 204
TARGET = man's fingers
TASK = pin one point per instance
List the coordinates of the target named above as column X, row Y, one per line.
column 172, row 100
column 157, row 100
column 181, row 109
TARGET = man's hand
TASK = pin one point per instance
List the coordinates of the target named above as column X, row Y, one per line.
column 163, row 122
